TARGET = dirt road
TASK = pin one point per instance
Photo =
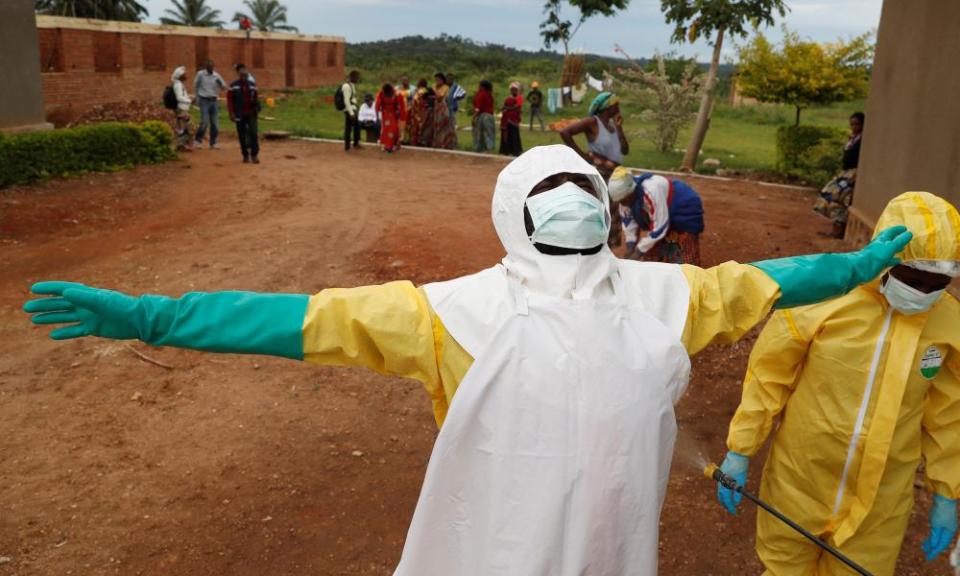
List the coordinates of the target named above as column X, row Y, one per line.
column 245, row 465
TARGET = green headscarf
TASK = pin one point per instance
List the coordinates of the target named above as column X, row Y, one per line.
column 603, row 101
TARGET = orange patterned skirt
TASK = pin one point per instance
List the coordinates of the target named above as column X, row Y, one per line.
column 675, row 248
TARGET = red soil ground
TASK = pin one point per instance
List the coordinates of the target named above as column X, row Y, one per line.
column 247, row 465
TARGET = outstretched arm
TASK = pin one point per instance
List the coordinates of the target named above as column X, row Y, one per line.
column 728, row 300
column 236, row 322
column 386, row 328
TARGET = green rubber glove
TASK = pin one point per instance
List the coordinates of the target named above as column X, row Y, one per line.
column 235, row 322
column 817, row 277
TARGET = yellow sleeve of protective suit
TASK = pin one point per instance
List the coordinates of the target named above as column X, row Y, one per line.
column 386, row 328
column 772, row 372
column 941, row 430
column 726, row 301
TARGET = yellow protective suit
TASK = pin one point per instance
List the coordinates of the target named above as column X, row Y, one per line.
column 863, row 393
column 392, row 329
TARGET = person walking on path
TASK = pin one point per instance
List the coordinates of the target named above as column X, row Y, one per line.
column 183, row 127
column 244, row 105
column 392, row 109
column 208, row 84
column 484, row 125
column 351, row 125
column 535, row 98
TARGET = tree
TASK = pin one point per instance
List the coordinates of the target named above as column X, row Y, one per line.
column 712, row 19
column 192, row 13
column 556, row 30
column 669, row 104
column 266, row 15
column 127, row 10
column 805, row 73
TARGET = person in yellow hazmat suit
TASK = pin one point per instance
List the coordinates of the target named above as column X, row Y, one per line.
column 553, row 374
column 866, row 387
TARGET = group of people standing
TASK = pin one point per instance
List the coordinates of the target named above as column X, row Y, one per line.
column 420, row 115
column 511, row 117
column 425, row 115
column 243, row 105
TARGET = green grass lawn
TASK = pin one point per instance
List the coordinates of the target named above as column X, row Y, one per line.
column 741, row 138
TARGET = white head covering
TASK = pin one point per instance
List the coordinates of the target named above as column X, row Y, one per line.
column 472, row 308
column 178, row 72
column 574, row 275
column 621, row 184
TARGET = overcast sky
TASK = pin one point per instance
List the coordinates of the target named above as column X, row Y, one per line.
column 640, row 29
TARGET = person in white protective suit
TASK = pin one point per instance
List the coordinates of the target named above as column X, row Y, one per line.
column 554, row 374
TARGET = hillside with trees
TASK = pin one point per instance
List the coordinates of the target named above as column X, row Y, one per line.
column 422, row 56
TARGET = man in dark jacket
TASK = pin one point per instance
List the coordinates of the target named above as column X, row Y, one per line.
column 244, row 104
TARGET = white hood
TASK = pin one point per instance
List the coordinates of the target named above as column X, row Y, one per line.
column 473, row 308
column 572, row 276
column 177, row 73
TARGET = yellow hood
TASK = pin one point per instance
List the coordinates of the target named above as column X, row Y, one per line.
column 935, row 224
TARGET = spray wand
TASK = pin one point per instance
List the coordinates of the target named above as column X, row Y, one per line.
column 713, row 472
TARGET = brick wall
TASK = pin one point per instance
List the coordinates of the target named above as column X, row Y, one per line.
column 116, row 62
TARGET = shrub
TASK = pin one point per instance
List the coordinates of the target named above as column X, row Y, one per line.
column 811, row 153
column 822, row 162
column 669, row 105
column 33, row 156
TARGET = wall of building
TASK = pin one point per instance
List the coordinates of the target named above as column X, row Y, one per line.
column 911, row 139
column 22, row 107
column 88, row 62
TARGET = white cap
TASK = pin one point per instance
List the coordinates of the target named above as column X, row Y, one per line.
column 621, row 184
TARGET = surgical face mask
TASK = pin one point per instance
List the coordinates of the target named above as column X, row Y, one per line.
column 567, row 217
column 905, row 298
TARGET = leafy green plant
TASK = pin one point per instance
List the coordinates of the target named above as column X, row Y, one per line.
column 266, row 15
column 810, row 153
column 821, row 162
column 805, row 73
column 668, row 104
column 126, row 10
column 107, row 147
column 556, row 30
column 192, row 13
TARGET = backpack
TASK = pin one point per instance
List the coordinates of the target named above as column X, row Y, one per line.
column 170, row 98
column 338, row 100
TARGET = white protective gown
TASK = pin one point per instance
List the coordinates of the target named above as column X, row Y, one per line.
column 555, row 455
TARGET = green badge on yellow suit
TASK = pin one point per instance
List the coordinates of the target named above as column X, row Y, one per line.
column 930, row 362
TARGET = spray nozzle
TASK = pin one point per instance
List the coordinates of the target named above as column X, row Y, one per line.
column 712, row 471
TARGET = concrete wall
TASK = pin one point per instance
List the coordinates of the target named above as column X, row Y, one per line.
column 90, row 62
column 912, row 134
column 22, row 102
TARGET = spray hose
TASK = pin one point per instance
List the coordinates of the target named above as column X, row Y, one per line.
column 713, row 472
